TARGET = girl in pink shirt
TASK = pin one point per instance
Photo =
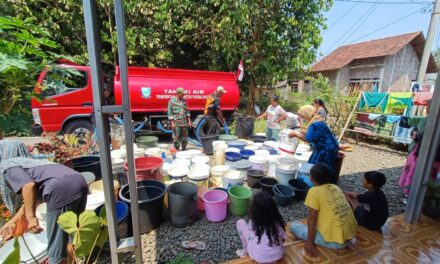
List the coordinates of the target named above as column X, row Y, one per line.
column 263, row 236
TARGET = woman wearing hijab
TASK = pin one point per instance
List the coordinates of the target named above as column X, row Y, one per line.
column 25, row 179
column 322, row 141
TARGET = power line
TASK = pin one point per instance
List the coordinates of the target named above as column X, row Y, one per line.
column 360, row 24
column 341, row 17
column 349, row 30
column 385, row 3
column 389, row 24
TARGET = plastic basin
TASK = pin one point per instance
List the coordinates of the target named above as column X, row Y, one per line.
column 146, row 141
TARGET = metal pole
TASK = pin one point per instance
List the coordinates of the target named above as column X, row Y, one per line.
column 427, row 153
column 123, row 66
column 93, row 46
column 433, row 24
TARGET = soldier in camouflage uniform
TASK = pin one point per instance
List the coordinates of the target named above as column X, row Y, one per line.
column 180, row 119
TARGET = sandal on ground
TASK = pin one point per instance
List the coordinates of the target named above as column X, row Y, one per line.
column 241, row 253
column 199, row 245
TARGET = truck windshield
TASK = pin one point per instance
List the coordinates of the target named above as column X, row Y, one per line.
column 63, row 80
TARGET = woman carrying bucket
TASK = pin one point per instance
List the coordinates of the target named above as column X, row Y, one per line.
column 321, row 139
column 263, row 236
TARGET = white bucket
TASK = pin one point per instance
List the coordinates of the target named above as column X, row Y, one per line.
column 232, row 178
column 219, row 158
column 94, row 200
column 271, row 144
column 184, row 155
column 252, row 147
column 258, row 163
column 262, row 152
column 181, row 163
column 236, row 150
column 153, row 152
column 272, row 165
column 194, row 152
column 203, row 167
column 178, row 172
column 117, row 165
column 88, row 176
column 41, row 214
column 198, row 174
column 219, row 170
column 118, row 154
column 202, row 159
column 37, row 244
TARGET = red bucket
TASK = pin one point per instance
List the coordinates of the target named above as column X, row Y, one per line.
column 148, row 168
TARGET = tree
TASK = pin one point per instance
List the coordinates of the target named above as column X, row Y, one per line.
column 25, row 50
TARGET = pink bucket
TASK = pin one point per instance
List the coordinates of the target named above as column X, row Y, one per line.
column 216, row 205
column 200, row 193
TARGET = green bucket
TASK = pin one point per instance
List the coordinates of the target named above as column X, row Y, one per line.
column 239, row 197
column 146, row 141
column 227, row 137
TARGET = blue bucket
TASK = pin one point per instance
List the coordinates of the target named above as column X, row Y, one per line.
column 237, row 144
column 121, row 217
column 232, row 156
column 245, row 154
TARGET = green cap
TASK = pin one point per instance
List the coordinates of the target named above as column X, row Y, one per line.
column 180, row 90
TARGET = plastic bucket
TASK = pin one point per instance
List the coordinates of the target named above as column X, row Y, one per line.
column 121, row 217
column 90, row 163
column 98, row 186
column 151, row 195
column 217, row 173
column 232, row 157
column 182, row 204
column 146, row 141
column 207, row 143
column 299, row 187
column 239, row 197
column 200, row 159
column 267, row 184
column 272, row 165
column 237, row 144
column 242, row 166
column 285, row 172
column 283, row 194
column 253, row 178
column 37, row 245
column 227, row 138
column 232, row 178
column 245, row 154
column 216, row 205
column 148, row 168
column 258, row 163
column 200, row 202
column 257, row 138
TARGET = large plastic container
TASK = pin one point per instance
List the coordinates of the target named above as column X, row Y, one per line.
column 228, row 138
column 216, row 205
column 121, row 217
column 37, row 244
column 217, row 173
column 239, row 197
column 151, row 195
column 285, row 172
column 300, row 188
column 237, row 144
column 253, row 178
column 267, row 184
column 148, row 168
column 242, row 166
column 232, row 157
column 232, row 178
column 207, row 143
column 283, row 194
column 272, row 162
column 90, row 163
column 258, row 163
column 182, row 204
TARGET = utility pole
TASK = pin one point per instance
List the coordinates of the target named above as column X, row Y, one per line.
column 433, row 24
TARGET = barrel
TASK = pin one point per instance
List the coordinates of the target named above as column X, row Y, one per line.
column 182, row 204
column 151, row 195
column 90, row 163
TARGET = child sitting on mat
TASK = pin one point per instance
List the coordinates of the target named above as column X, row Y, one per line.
column 331, row 222
column 263, row 236
column 371, row 207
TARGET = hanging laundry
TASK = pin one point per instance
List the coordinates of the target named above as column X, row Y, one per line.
column 374, row 116
column 373, row 100
column 399, row 101
column 404, row 122
column 364, row 124
column 421, row 98
column 402, row 135
column 393, row 118
column 415, row 120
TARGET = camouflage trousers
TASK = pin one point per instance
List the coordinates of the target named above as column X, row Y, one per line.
column 180, row 137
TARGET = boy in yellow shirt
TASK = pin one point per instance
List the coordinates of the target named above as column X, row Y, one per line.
column 331, row 221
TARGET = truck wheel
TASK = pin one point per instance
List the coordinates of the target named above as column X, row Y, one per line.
column 79, row 127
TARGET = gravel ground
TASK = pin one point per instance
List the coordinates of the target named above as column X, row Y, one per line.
column 163, row 244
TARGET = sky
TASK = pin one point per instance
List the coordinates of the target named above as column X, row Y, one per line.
column 350, row 20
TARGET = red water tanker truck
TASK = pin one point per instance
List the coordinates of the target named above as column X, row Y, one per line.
column 68, row 102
